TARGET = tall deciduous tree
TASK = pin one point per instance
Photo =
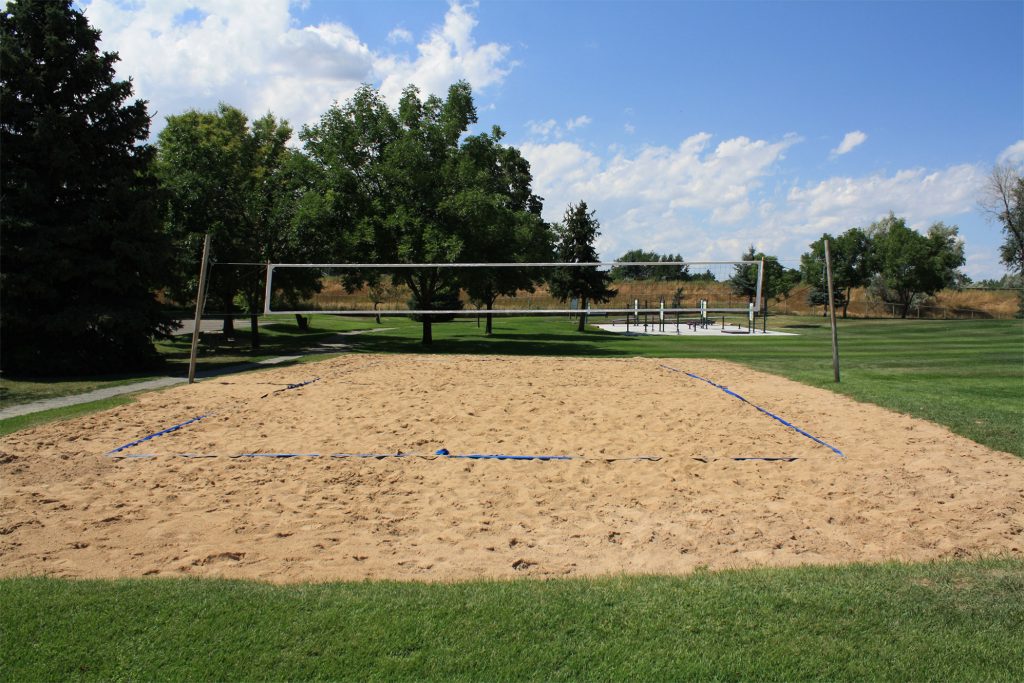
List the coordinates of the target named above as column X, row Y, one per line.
column 576, row 235
column 408, row 190
column 1004, row 201
column 853, row 264
column 240, row 183
column 81, row 247
column 912, row 265
column 500, row 219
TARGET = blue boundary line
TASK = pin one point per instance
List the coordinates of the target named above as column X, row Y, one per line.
column 771, row 415
column 156, row 434
column 482, row 456
column 469, row 456
column 292, row 386
column 197, row 419
column 276, row 455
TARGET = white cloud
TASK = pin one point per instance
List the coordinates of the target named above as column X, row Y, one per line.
column 919, row 195
column 688, row 176
column 710, row 202
column 577, row 122
column 185, row 54
column 551, row 129
column 543, row 129
column 850, row 140
column 1013, row 155
column 629, row 128
column 447, row 55
column 399, row 35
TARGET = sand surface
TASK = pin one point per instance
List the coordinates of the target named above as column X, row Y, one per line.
column 907, row 489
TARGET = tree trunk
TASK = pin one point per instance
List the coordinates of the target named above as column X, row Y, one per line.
column 488, row 328
column 254, row 331
column 846, row 301
column 302, row 321
column 229, row 326
column 906, row 309
column 583, row 316
column 428, row 338
column 377, row 316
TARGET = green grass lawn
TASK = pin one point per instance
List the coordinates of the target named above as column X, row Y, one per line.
column 13, row 424
column 26, row 390
column 279, row 338
column 951, row 621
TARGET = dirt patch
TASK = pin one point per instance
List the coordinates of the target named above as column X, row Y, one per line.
column 907, row 489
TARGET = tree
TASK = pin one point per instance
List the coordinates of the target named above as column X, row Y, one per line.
column 1004, row 201
column 649, row 272
column 853, row 264
column 912, row 265
column 575, row 244
column 500, row 219
column 81, row 252
column 776, row 281
column 242, row 184
column 403, row 175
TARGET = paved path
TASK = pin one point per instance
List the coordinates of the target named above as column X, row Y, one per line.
column 333, row 344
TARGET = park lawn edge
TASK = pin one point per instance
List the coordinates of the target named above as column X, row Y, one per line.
column 943, row 620
column 19, row 422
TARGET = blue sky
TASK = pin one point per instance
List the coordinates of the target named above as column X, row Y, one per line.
column 691, row 127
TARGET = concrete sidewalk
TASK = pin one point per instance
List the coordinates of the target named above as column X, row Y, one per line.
column 333, row 344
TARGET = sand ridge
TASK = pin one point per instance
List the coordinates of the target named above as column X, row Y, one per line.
column 908, row 489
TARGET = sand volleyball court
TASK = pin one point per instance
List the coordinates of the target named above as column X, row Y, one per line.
column 652, row 485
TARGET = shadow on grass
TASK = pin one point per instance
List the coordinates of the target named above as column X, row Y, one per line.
column 501, row 343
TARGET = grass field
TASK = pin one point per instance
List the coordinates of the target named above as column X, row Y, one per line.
column 961, row 620
column 953, row 621
column 275, row 340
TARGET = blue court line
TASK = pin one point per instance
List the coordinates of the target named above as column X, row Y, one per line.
column 156, row 434
column 481, row 456
column 292, row 386
column 769, row 459
column 276, row 455
column 771, row 415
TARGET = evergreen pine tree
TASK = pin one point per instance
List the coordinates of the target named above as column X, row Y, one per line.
column 79, row 231
column 576, row 237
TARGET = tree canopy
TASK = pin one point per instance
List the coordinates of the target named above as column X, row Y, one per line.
column 853, row 264
column 500, row 217
column 649, row 272
column 409, row 186
column 242, row 184
column 82, row 253
column 912, row 265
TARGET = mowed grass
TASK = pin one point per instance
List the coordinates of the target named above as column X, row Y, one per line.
column 13, row 424
column 277, row 339
column 951, row 621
